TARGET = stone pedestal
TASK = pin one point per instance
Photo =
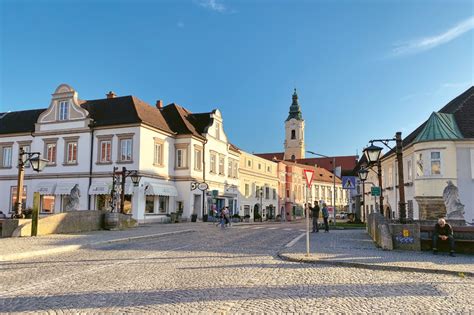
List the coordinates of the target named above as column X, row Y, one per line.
column 405, row 236
column 431, row 208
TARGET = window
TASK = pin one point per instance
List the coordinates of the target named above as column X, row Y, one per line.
column 105, row 151
column 51, row 153
column 163, row 204
column 197, row 159
column 419, row 165
column 293, row 157
column 390, row 177
column 267, row 192
column 229, row 168
column 259, row 166
column 181, row 156
column 409, row 170
column 257, row 191
column 25, row 148
column 236, row 169
column 47, row 204
column 221, row 164
column 435, row 163
column 274, row 194
column 316, row 192
column 13, row 193
column 125, row 150
column 71, row 152
column 293, row 134
column 287, row 193
column 269, row 169
column 213, row 163
column 249, row 163
column 158, row 153
column 7, row 157
column 149, row 204
column 247, row 190
column 63, row 110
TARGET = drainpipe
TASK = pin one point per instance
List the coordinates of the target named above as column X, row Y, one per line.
column 91, row 126
column 203, row 175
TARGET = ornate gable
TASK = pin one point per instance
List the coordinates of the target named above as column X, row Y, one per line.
column 64, row 106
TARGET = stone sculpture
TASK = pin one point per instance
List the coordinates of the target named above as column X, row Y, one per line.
column 73, row 202
column 454, row 207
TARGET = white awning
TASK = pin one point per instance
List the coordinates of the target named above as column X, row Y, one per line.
column 64, row 188
column 46, row 188
column 160, row 190
column 99, row 188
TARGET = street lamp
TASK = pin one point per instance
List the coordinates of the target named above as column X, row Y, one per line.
column 333, row 179
column 125, row 173
column 363, row 173
column 37, row 164
column 373, row 156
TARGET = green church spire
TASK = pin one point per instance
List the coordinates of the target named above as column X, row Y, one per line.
column 295, row 110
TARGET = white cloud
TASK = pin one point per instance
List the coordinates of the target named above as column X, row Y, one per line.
column 213, row 5
column 422, row 44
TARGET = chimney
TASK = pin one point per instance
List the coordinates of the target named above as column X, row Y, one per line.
column 111, row 95
column 159, row 104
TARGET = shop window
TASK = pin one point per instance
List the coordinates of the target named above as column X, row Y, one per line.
column 13, row 193
column 150, row 204
column 47, row 203
column 163, row 204
column 103, row 202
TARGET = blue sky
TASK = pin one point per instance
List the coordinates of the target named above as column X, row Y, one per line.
column 363, row 69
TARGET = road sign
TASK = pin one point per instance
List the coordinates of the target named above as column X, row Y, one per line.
column 348, row 182
column 308, row 174
column 203, row 186
column 375, row 191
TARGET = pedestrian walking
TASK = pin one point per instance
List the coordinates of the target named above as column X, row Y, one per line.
column 315, row 215
column 227, row 216
column 325, row 217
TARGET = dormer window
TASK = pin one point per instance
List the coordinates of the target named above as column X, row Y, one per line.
column 63, row 110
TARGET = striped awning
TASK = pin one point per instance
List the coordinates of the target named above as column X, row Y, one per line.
column 64, row 188
column 153, row 189
column 46, row 188
column 99, row 188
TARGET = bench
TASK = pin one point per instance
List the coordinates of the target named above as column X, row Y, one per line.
column 463, row 235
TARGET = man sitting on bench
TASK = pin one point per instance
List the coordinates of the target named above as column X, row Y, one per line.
column 443, row 232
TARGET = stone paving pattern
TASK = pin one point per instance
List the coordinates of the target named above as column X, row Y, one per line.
column 212, row 270
column 356, row 247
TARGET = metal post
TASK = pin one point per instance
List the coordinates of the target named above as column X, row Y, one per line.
column 19, row 187
column 307, row 222
column 113, row 191
column 401, row 181
column 334, row 187
column 122, row 193
column 363, row 201
column 203, row 177
column 379, row 174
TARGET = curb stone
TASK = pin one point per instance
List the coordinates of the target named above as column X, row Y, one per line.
column 69, row 248
column 287, row 257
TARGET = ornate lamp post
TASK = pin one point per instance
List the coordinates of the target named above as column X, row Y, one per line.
column 363, row 173
column 373, row 156
column 135, row 180
column 37, row 164
column 115, row 179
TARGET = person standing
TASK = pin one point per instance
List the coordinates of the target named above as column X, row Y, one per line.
column 443, row 232
column 315, row 215
column 325, row 217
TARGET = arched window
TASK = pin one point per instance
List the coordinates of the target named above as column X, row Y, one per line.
column 293, row 134
column 293, row 157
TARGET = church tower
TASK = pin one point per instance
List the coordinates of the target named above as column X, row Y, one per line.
column 294, row 132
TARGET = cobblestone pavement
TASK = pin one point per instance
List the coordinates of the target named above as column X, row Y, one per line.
column 212, row 270
column 355, row 247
